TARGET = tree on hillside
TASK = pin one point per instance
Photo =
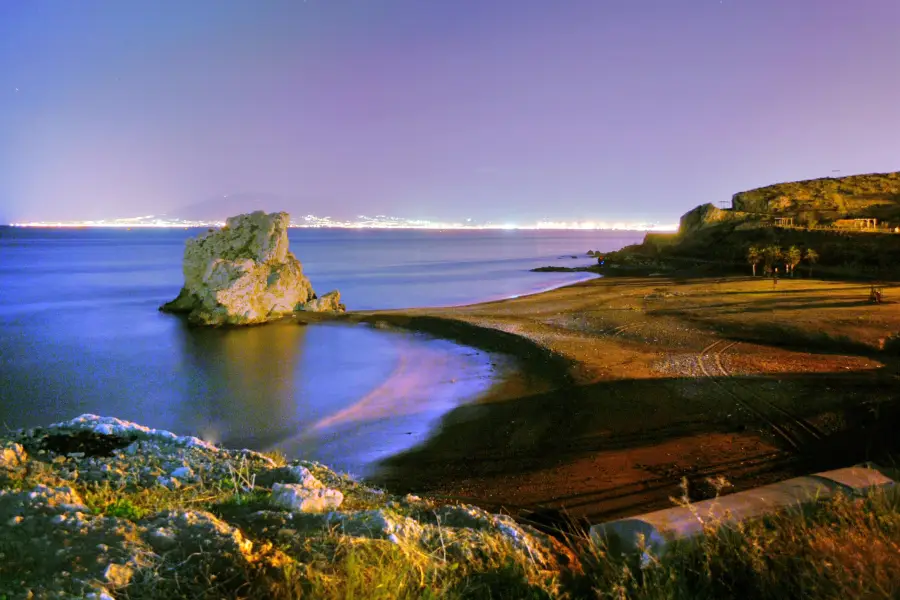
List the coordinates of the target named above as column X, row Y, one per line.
column 771, row 257
column 754, row 257
column 840, row 203
column 794, row 256
column 811, row 257
column 810, row 218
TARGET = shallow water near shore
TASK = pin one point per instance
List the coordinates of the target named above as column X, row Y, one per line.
column 80, row 332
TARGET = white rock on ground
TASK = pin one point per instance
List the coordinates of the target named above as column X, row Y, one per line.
column 121, row 428
column 182, row 473
column 377, row 524
column 289, row 474
column 299, row 498
column 243, row 274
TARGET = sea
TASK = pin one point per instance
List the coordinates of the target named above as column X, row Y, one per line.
column 80, row 332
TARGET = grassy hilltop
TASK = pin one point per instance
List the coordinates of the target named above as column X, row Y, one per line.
column 875, row 195
column 818, row 214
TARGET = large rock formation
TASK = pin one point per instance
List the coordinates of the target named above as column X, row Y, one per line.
column 707, row 215
column 243, row 274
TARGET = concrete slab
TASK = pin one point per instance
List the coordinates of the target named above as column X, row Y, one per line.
column 859, row 480
column 662, row 527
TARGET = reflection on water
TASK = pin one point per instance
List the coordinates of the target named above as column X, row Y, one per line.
column 248, row 378
column 274, row 387
column 80, row 332
column 346, row 395
column 429, row 378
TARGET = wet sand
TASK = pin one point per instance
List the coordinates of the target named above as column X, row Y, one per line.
column 429, row 377
column 624, row 386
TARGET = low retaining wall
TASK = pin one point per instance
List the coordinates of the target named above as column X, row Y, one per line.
column 663, row 527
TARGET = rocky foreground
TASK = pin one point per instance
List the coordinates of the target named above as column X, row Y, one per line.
column 244, row 274
column 97, row 507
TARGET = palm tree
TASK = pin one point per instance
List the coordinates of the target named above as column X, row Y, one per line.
column 771, row 257
column 811, row 257
column 794, row 256
column 754, row 257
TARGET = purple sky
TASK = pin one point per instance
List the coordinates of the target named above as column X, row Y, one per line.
column 442, row 109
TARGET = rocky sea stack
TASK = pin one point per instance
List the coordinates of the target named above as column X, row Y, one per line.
column 243, row 274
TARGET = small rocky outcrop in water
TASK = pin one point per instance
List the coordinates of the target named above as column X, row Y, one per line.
column 243, row 274
column 330, row 302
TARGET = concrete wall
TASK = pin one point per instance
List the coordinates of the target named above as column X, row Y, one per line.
column 659, row 529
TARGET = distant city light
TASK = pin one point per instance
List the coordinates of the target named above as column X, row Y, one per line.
column 361, row 222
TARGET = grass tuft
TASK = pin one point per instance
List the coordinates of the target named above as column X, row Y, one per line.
column 278, row 457
column 122, row 508
column 842, row 548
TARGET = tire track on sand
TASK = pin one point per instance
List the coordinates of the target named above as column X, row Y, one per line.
column 796, row 432
column 808, row 428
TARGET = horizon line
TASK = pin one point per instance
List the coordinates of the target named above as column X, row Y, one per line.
column 667, row 228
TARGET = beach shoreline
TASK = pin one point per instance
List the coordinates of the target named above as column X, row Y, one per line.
column 622, row 386
column 429, row 377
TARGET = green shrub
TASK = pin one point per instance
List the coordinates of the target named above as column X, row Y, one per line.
column 122, row 508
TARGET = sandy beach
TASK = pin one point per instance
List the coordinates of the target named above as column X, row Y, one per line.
column 625, row 385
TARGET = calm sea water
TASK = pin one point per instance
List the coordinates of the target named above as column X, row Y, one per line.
column 80, row 332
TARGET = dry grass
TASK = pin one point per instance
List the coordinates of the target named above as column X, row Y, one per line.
column 314, row 564
column 238, row 489
column 843, row 548
column 333, row 567
column 277, row 457
column 379, row 569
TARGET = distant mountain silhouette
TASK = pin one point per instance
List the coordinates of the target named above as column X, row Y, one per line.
column 222, row 207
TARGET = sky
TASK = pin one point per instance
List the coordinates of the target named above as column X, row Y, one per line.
column 511, row 110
